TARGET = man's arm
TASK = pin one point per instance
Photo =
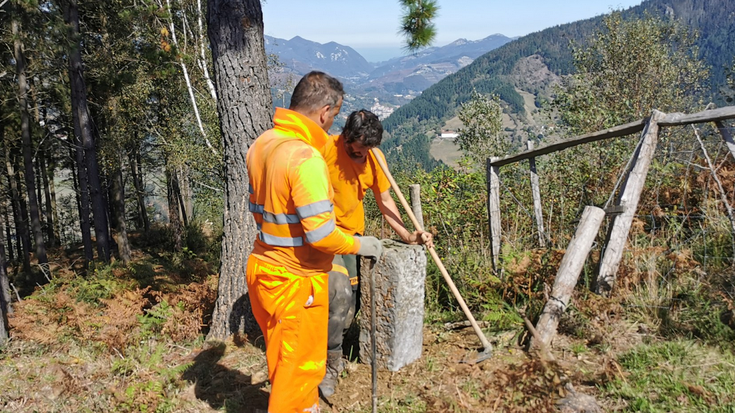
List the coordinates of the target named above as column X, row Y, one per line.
column 389, row 209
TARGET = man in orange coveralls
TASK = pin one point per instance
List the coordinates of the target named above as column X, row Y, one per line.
column 291, row 200
column 352, row 170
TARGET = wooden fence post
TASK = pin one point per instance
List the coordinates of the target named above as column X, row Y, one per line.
column 414, row 192
column 726, row 136
column 537, row 211
column 493, row 210
column 630, row 195
column 569, row 270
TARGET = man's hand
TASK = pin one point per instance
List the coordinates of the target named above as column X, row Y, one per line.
column 370, row 247
column 422, row 238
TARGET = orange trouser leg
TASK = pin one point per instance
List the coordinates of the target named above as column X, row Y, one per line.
column 292, row 312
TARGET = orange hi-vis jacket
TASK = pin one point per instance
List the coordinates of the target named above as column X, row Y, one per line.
column 350, row 180
column 291, row 197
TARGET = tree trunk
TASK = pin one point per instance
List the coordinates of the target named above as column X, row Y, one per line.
column 83, row 196
column 81, row 114
column 20, row 216
column 25, row 131
column 244, row 106
column 174, row 211
column 49, row 193
column 4, row 296
column 185, row 197
column 143, row 222
column 118, row 199
column 8, row 236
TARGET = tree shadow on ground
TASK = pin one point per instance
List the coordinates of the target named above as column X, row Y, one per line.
column 222, row 387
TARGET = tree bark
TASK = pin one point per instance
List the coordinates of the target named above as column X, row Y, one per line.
column 118, row 199
column 20, row 216
column 174, row 210
column 49, row 192
column 143, row 222
column 4, row 296
column 25, row 131
column 83, row 196
column 8, row 236
column 244, row 106
column 81, row 114
column 493, row 210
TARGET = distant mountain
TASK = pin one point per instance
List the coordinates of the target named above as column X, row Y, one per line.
column 503, row 71
column 405, row 75
column 416, row 72
column 301, row 56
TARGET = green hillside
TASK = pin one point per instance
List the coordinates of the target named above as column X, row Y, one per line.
column 714, row 20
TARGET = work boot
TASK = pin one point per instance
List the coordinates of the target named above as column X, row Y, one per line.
column 334, row 369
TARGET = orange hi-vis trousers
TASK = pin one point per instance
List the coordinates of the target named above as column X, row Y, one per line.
column 293, row 312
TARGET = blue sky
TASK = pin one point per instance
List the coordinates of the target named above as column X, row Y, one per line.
column 371, row 26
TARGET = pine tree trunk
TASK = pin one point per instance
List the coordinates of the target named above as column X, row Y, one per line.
column 4, row 296
column 142, row 222
column 187, row 206
column 81, row 113
column 50, row 211
column 20, row 216
column 118, row 199
column 8, row 236
column 244, row 105
column 83, row 197
column 174, row 212
column 25, row 130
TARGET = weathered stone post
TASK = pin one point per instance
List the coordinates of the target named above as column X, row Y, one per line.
column 400, row 275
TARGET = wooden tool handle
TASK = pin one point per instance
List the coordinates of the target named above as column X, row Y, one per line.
column 379, row 157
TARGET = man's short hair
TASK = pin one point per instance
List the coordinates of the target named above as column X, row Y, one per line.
column 314, row 91
column 363, row 126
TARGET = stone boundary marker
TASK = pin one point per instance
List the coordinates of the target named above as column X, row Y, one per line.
column 400, row 276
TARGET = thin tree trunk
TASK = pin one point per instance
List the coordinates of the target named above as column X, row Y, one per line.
column 174, row 210
column 8, row 235
column 182, row 194
column 143, row 222
column 50, row 194
column 81, row 115
column 21, row 229
column 5, row 307
column 25, row 129
column 202, row 56
column 244, row 106
column 83, row 197
column 172, row 29
column 118, row 199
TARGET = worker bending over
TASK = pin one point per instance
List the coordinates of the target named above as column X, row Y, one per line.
column 352, row 170
column 291, row 201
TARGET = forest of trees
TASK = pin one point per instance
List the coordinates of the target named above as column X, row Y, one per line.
column 109, row 125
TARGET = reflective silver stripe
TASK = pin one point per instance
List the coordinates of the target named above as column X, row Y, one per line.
column 280, row 218
column 281, row 241
column 256, row 209
column 321, row 232
column 316, row 208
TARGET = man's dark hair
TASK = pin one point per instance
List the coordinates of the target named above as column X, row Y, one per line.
column 363, row 126
column 314, row 91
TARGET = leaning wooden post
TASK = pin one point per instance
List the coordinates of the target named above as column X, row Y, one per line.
column 630, row 195
column 414, row 192
column 566, row 278
column 493, row 209
column 537, row 211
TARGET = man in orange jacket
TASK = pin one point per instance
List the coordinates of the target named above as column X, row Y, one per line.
column 291, row 201
column 352, row 170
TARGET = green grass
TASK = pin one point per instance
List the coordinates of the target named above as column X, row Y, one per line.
column 681, row 376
